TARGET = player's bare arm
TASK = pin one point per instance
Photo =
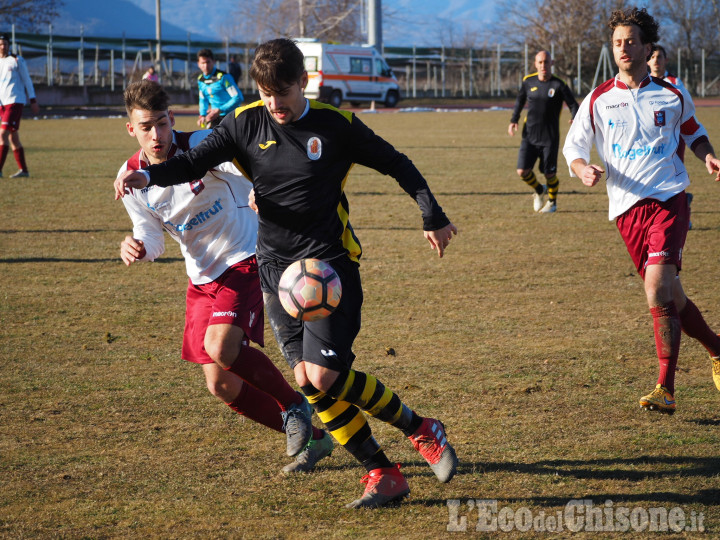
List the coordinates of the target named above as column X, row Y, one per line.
column 440, row 239
column 131, row 250
column 705, row 152
column 587, row 173
column 129, row 179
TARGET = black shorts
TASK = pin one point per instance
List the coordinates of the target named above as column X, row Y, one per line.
column 326, row 342
column 529, row 154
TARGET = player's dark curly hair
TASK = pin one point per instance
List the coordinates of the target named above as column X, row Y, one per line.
column 145, row 95
column 639, row 17
column 277, row 64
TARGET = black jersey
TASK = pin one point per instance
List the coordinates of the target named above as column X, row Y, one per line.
column 299, row 171
column 545, row 100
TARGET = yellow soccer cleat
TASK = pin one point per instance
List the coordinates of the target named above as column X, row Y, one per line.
column 716, row 371
column 659, row 400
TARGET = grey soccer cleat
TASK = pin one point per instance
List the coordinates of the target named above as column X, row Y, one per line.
column 431, row 441
column 315, row 450
column 20, row 174
column 297, row 425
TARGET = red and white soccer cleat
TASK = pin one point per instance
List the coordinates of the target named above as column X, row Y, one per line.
column 431, row 441
column 384, row 486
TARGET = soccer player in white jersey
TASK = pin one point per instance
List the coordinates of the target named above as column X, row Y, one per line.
column 635, row 122
column 217, row 232
column 15, row 86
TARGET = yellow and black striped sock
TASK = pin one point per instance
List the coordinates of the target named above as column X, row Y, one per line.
column 531, row 180
column 347, row 424
column 366, row 392
column 553, row 185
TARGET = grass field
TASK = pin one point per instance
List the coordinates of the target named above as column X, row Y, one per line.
column 531, row 340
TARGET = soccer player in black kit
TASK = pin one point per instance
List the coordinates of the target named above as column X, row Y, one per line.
column 298, row 154
column 544, row 94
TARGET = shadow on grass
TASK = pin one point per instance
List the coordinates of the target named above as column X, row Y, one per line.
column 630, row 469
column 705, row 422
column 708, row 497
column 523, row 193
column 55, row 231
column 594, row 469
column 12, row 260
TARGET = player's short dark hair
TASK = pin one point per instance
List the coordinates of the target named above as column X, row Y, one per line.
column 277, row 63
column 639, row 17
column 3, row 37
column 660, row 48
column 206, row 53
column 145, row 95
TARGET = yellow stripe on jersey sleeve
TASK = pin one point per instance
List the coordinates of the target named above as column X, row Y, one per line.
column 258, row 103
column 318, row 105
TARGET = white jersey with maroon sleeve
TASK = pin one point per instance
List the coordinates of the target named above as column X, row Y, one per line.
column 209, row 218
column 672, row 79
column 15, row 83
column 636, row 133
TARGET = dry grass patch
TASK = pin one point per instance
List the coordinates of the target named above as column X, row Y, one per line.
column 530, row 340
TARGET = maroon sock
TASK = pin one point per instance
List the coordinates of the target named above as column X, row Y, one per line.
column 694, row 325
column 666, row 325
column 19, row 154
column 3, row 154
column 317, row 433
column 253, row 366
column 258, row 406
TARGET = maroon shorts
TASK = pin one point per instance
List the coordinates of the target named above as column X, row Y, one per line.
column 10, row 116
column 654, row 232
column 233, row 298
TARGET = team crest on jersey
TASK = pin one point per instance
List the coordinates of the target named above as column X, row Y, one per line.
column 196, row 186
column 659, row 118
column 314, row 148
column 551, row 92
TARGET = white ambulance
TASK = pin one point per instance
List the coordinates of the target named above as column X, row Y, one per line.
column 354, row 73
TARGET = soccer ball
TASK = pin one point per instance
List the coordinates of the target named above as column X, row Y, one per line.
column 309, row 289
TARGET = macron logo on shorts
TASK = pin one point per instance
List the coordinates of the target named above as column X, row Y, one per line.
column 224, row 314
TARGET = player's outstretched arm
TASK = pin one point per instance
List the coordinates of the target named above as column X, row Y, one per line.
column 129, row 179
column 440, row 239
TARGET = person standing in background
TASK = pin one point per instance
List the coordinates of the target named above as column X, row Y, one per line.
column 545, row 94
column 15, row 88
column 219, row 93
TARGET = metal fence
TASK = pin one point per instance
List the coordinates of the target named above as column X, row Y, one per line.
column 112, row 63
